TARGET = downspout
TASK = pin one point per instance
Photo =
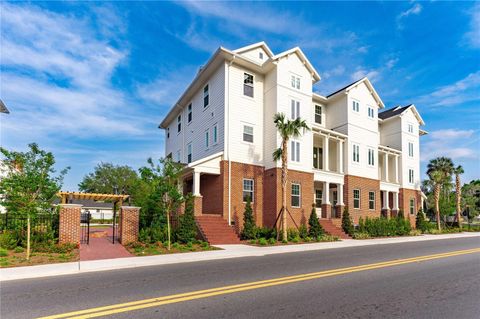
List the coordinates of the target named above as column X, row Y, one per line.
column 228, row 146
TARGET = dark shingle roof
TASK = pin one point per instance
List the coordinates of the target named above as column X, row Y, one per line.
column 393, row 111
column 340, row 90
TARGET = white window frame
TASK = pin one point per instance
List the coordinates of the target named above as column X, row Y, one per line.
column 371, row 112
column 207, row 139
column 294, row 109
column 245, row 126
column 179, row 123
column 295, row 151
column 189, row 113
column 318, row 199
column 168, row 132
column 206, row 95
column 295, row 82
column 371, row 200
column 260, row 55
column 250, row 85
column 371, row 157
column 252, row 191
column 299, row 195
column 411, row 176
column 215, row 134
column 356, row 153
column 316, row 114
column 189, row 153
column 410, row 149
column 410, row 128
column 412, row 207
column 356, row 106
column 358, row 199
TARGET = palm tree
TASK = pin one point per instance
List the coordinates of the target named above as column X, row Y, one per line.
column 287, row 129
column 439, row 170
column 457, row 171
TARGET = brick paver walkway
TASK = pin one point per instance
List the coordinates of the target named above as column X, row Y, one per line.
column 101, row 247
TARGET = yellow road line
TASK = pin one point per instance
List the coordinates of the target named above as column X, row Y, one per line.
column 154, row 302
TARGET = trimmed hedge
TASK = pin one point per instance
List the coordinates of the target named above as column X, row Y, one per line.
column 383, row 227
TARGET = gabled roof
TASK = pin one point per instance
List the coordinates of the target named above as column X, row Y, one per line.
column 304, row 59
column 3, row 108
column 261, row 44
column 354, row 84
column 399, row 110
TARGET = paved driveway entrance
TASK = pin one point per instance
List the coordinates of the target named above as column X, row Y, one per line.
column 100, row 245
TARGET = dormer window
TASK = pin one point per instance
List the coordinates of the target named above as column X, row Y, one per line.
column 248, row 84
column 260, row 55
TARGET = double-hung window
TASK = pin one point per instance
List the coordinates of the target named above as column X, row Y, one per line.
column 248, row 133
column 371, row 157
column 179, row 156
column 410, row 149
column 371, row 200
column 356, row 106
column 412, row 206
column 356, row 153
column 356, row 198
column 295, row 195
column 207, row 138
column 189, row 153
column 371, row 112
column 295, row 109
column 318, row 114
column 295, row 151
column 248, row 189
column 248, row 84
column 295, row 82
column 168, row 132
column 318, row 198
column 206, row 96
column 410, row 176
column 179, row 123
column 410, row 128
column 190, row 115
column 215, row 134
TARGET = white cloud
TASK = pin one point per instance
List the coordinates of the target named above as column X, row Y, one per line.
column 453, row 143
column 451, row 134
column 391, row 63
column 473, row 35
column 336, row 71
column 360, row 72
column 461, row 91
column 416, row 9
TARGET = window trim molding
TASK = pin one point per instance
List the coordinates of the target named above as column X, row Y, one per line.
column 299, row 194
column 374, row 199
column 359, row 198
column 203, row 96
column 353, row 153
column 189, row 112
column 215, row 132
column 253, row 189
column 252, row 86
column 243, row 133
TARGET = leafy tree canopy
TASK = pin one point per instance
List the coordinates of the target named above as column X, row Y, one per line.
column 108, row 178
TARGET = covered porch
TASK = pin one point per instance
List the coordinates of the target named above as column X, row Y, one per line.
column 328, row 195
column 389, row 199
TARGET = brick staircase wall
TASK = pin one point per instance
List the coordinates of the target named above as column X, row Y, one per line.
column 331, row 228
column 216, row 230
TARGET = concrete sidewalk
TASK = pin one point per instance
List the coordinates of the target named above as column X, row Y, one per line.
column 228, row 251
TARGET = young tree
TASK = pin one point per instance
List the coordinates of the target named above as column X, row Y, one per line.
column 347, row 224
column 287, row 129
column 30, row 186
column 187, row 230
column 458, row 192
column 314, row 228
column 248, row 231
column 439, row 170
column 106, row 178
column 420, row 220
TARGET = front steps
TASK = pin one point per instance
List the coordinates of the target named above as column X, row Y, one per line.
column 333, row 228
column 216, row 230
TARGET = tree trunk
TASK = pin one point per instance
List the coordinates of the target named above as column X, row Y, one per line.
column 28, row 238
column 459, row 198
column 168, row 227
column 284, row 189
column 437, row 207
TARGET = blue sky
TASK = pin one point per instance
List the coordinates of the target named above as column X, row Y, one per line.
column 91, row 81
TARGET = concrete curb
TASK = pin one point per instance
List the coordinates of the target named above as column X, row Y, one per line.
column 229, row 251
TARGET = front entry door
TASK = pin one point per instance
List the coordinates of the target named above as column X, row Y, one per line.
column 318, row 203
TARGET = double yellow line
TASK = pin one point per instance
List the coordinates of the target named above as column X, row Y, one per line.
column 155, row 302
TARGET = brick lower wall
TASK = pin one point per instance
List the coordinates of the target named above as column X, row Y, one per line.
column 211, row 188
column 69, row 226
column 365, row 185
column 129, row 223
column 404, row 197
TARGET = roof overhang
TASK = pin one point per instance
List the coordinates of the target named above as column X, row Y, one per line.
column 66, row 196
column 302, row 57
column 261, row 44
column 369, row 85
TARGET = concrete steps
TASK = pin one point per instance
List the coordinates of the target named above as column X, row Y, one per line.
column 331, row 228
column 216, row 230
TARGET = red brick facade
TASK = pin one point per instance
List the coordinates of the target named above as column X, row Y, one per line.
column 129, row 223
column 365, row 185
column 69, row 226
column 404, row 197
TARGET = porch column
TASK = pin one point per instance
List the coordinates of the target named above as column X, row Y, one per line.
column 325, row 153
column 340, row 156
column 326, row 211
column 396, row 169
column 386, row 206
column 197, row 197
column 385, row 167
column 340, row 204
column 196, row 183
column 395, row 201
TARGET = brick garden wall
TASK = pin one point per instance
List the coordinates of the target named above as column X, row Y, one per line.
column 69, row 226
column 129, row 223
column 365, row 185
column 404, row 203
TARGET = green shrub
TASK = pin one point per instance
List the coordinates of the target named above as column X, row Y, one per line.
column 272, row 241
column 249, row 229
column 153, row 234
column 401, row 214
column 262, row 242
column 19, row 249
column 292, row 233
column 253, row 242
column 383, row 227
column 187, row 229
column 302, row 231
column 415, row 232
column 204, row 244
column 265, row 232
column 327, row 238
column 403, row 226
column 3, row 252
column 315, row 229
column 284, row 241
column 308, row 239
column 10, row 239
column 295, row 239
column 361, row 235
column 347, row 224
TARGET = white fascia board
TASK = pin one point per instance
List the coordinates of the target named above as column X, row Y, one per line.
column 303, row 57
column 261, row 44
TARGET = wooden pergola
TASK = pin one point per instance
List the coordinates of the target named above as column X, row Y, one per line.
column 68, row 196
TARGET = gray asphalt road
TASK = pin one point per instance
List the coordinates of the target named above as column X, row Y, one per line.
column 441, row 288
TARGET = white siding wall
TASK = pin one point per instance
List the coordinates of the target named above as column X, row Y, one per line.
column 410, row 162
column 337, row 114
column 203, row 118
column 391, row 133
column 270, row 108
column 255, row 56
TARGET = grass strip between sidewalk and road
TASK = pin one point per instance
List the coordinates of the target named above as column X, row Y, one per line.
column 182, row 297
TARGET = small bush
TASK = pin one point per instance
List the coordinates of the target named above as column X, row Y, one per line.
column 292, row 233
column 361, row 235
column 308, row 239
column 3, row 252
column 10, row 239
column 262, row 242
column 253, row 242
column 187, row 229
column 303, row 231
column 415, row 232
column 265, row 232
column 347, row 224
column 153, row 234
column 272, row 241
column 315, row 229
column 295, row 239
column 249, row 229
column 327, row 238
column 19, row 249
column 284, row 241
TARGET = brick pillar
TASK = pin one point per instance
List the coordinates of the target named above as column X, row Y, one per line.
column 197, row 205
column 327, row 211
column 340, row 209
column 129, row 222
column 69, row 226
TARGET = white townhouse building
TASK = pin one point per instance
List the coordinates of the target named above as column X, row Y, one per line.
column 354, row 156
